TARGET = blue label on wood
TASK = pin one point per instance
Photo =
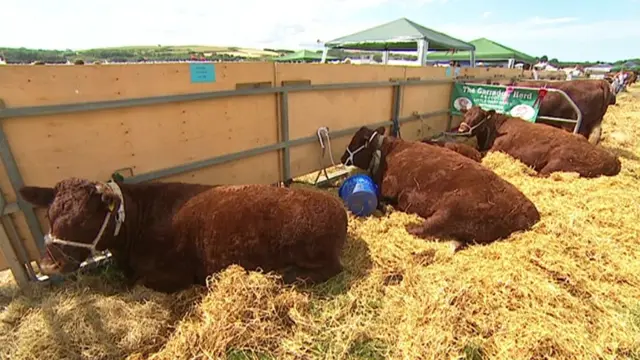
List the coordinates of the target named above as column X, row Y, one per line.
column 448, row 71
column 202, row 73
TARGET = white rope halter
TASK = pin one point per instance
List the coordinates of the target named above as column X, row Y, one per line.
column 471, row 128
column 349, row 161
column 119, row 218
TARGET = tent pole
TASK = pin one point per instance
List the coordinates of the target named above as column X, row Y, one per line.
column 426, row 50
column 385, row 57
column 325, row 53
column 472, row 59
column 422, row 52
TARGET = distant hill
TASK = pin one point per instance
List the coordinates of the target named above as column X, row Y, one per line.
column 190, row 52
column 138, row 53
column 159, row 53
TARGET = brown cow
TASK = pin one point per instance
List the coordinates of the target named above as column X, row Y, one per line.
column 458, row 197
column 592, row 97
column 544, row 148
column 462, row 149
column 168, row 236
column 631, row 78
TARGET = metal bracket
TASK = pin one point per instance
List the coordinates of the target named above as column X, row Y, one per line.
column 303, row 82
column 254, row 85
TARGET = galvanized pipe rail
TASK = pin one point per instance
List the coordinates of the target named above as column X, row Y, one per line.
column 284, row 144
column 576, row 109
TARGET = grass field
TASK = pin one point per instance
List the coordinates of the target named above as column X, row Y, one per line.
column 568, row 289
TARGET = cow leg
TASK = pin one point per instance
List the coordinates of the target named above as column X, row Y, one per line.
column 553, row 166
column 434, row 226
column 167, row 282
column 457, row 245
column 299, row 275
column 317, row 268
column 596, row 133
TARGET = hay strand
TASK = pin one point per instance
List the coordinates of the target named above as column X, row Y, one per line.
column 567, row 289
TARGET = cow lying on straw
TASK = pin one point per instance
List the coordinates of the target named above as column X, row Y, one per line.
column 544, row 148
column 459, row 198
column 168, row 236
column 462, row 149
column 592, row 96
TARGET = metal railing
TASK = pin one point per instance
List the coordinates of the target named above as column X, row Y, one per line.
column 577, row 121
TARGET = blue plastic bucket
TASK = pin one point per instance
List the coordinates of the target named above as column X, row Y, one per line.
column 360, row 194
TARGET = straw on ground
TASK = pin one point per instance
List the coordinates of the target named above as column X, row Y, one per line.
column 568, row 289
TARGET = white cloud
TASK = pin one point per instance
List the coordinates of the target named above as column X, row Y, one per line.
column 82, row 24
column 536, row 20
column 563, row 38
column 551, row 29
column 259, row 23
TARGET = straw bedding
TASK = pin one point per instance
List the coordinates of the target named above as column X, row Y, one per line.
column 568, row 289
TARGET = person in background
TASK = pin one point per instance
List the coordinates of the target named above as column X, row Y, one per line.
column 620, row 79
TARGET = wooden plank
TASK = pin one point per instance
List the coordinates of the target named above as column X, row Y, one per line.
column 419, row 99
column 94, row 144
column 53, row 84
column 335, row 109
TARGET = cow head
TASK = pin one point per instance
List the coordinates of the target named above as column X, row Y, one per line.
column 360, row 150
column 83, row 217
column 473, row 119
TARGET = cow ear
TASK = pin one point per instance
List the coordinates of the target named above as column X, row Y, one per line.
column 491, row 112
column 38, row 196
column 380, row 130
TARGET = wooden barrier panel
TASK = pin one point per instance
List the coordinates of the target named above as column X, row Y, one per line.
column 94, row 144
column 419, row 99
column 335, row 109
column 144, row 139
column 546, row 75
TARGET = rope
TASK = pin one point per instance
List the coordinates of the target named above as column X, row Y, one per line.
column 324, row 131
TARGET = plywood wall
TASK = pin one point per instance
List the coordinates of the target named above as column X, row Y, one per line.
column 421, row 99
column 335, row 109
column 546, row 75
column 149, row 138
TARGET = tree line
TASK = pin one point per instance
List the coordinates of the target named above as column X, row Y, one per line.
column 167, row 53
column 27, row 56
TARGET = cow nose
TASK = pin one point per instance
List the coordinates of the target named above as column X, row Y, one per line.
column 49, row 267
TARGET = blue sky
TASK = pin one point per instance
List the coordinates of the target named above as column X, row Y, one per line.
column 563, row 29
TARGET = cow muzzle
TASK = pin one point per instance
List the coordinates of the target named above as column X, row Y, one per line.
column 349, row 160
column 464, row 127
